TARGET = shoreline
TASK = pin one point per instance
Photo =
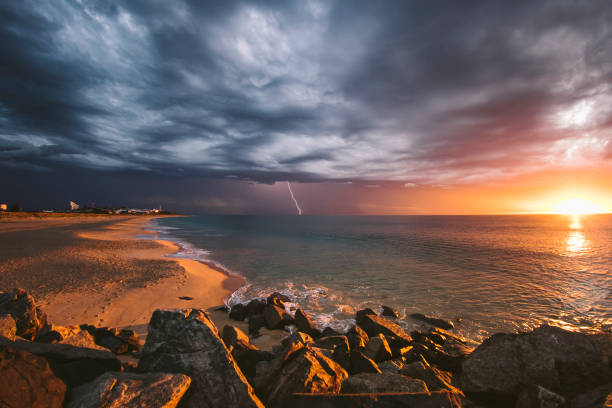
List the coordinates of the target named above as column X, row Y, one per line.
column 101, row 295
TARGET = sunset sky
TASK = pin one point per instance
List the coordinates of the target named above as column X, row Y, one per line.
column 407, row 107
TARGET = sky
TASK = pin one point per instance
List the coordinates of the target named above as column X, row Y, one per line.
column 395, row 107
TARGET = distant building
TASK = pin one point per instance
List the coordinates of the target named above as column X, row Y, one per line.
column 3, row 207
column 74, row 206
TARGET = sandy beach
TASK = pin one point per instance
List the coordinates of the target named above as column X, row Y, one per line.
column 93, row 270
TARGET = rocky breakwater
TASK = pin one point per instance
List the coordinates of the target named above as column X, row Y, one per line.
column 186, row 361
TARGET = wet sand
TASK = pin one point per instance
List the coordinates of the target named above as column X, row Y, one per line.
column 92, row 270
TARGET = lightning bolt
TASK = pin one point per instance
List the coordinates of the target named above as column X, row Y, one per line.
column 297, row 205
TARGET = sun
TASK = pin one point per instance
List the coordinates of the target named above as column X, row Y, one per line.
column 577, row 206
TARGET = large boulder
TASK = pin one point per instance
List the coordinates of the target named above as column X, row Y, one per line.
column 389, row 312
column 383, row 382
column 276, row 317
column 362, row 364
column 357, row 337
column 82, row 339
column 73, row 365
column 539, row 397
column 436, row 399
column 29, row 319
column 434, row 378
column 307, row 371
column 278, row 299
column 26, row 380
column 187, row 341
column 377, row 349
column 113, row 339
column 599, row 397
column 255, row 307
column 441, row 323
column 362, row 313
column 374, row 325
column 238, row 312
column 236, row 339
column 130, row 390
column 246, row 354
column 305, row 324
column 564, row 362
column 8, row 328
column 256, row 322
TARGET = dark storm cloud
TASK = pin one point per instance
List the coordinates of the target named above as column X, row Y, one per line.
column 418, row 92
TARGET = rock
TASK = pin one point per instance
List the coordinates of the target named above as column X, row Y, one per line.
column 599, row 397
column 539, row 397
column 236, row 339
column 357, row 337
column 73, row 365
column 26, row 380
column 267, row 371
column 362, row 364
column 113, row 344
column 328, row 331
column 340, row 350
column 8, row 328
column 187, row 341
column 297, row 338
column 53, row 334
column 82, row 339
column 564, row 362
column 389, row 312
column 131, row 338
column 248, row 359
column 377, row 349
column 305, row 324
column 256, row 322
column 118, row 390
column 238, row 312
column 434, row 378
column 374, row 325
column 330, row 342
column 362, row 313
column 308, row 371
column 276, row 317
column 255, row 307
column 29, row 319
column 436, row 399
column 278, row 299
column 441, row 323
column 391, row 366
column 383, row 382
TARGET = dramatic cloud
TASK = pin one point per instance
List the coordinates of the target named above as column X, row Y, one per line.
column 421, row 93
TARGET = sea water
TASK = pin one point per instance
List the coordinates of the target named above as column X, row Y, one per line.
column 487, row 274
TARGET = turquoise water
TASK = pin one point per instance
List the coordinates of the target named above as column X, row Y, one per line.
column 493, row 273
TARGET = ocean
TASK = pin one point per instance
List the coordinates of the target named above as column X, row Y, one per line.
column 487, row 274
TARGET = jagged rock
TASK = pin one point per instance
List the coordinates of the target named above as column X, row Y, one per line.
column 600, row 397
column 266, row 371
column 73, row 365
column 276, row 317
column 297, row 338
column 26, row 380
column 564, row 362
column 81, row 338
column 383, row 382
column 119, row 390
column 114, row 344
column 389, row 312
column 391, row 366
column 8, row 328
column 236, row 339
column 255, row 307
column 131, row 338
column 362, row 313
column 256, row 322
column 434, row 378
column 362, row 364
column 29, row 319
column 377, row 349
column 539, row 397
column 436, row 399
column 328, row 331
column 374, row 325
column 357, row 337
column 339, row 347
column 187, row 341
column 441, row 323
column 305, row 324
column 238, row 312
column 52, row 333
column 308, row 371
column 278, row 299
column 330, row 342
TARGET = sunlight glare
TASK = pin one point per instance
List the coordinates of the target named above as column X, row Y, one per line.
column 574, row 206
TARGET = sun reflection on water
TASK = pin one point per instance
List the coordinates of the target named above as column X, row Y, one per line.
column 576, row 242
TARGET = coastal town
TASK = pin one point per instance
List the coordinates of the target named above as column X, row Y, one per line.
column 74, row 207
